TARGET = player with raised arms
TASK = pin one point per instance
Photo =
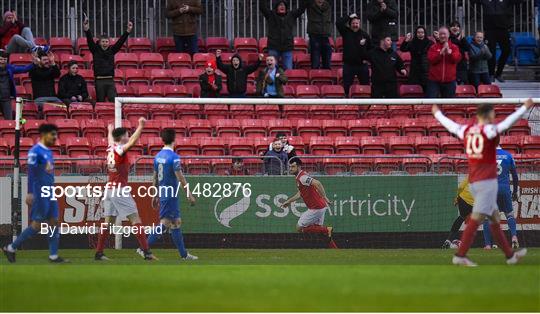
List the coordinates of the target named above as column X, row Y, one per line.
column 312, row 192
column 481, row 139
column 505, row 195
column 117, row 197
column 167, row 175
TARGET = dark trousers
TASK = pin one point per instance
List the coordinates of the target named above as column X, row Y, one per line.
column 384, row 90
column 442, row 90
column 320, row 47
column 237, row 95
column 480, row 78
column 186, row 44
column 464, row 210
column 6, row 109
column 501, row 37
column 350, row 71
column 105, row 88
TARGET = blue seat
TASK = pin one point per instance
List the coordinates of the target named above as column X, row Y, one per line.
column 524, row 46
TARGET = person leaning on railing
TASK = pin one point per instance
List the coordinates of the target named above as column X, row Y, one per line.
column 103, row 57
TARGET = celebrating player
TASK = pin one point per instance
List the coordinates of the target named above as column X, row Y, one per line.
column 505, row 195
column 313, row 194
column 167, row 173
column 481, row 140
column 42, row 209
column 117, row 200
column 464, row 201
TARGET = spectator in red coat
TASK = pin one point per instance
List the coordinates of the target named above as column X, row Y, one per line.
column 443, row 58
column 16, row 37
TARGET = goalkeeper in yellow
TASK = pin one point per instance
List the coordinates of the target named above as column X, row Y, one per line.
column 464, row 201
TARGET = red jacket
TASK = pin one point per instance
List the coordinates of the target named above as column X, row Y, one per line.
column 442, row 69
column 8, row 30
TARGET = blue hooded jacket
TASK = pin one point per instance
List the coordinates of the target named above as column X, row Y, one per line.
column 15, row 69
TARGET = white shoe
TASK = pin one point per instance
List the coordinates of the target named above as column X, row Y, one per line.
column 190, row 257
column 463, row 261
column 516, row 257
column 140, row 252
column 455, row 244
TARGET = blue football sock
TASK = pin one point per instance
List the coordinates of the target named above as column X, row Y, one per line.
column 25, row 235
column 54, row 240
column 487, row 233
column 178, row 240
column 512, row 225
column 156, row 234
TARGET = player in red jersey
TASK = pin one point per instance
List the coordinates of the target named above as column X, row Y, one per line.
column 481, row 140
column 314, row 196
column 117, row 200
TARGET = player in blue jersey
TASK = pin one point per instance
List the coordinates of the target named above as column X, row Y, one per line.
column 505, row 167
column 167, row 176
column 42, row 208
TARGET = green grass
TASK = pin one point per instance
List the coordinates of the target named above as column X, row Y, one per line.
column 271, row 280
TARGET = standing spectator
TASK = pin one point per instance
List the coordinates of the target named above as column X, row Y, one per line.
column 497, row 22
column 184, row 15
column 319, row 28
column 356, row 44
column 287, row 147
column 385, row 63
column 7, row 83
column 443, row 57
column 479, row 56
column 383, row 17
column 103, row 55
column 237, row 74
column 457, row 38
column 72, row 87
column 275, row 161
column 16, row 37
column 418, row 47
column 237, row 168
column 42, row 77
column 280, row 24
column 210, row 81
column 271, row 80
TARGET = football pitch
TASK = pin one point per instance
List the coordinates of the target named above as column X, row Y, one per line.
column 271, row 280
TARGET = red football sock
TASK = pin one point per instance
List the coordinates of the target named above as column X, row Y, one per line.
column 467, row 237
column 315, row 229
column 141, row 237
column 332, row 245
column 500, row 239
column 102, row 237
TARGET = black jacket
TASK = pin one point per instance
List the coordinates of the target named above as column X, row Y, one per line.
column 280, row 27
column 43, row 81
column 206, row 89
column 464, row 47
column 418, row 49
column 353, row 52
column 497, row 13
column 237, row 78
column 72, row 85
column 384, row 65
column 383, row 23
column 104, row 59
column 319, row 18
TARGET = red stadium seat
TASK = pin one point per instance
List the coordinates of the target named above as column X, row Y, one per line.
column 99, row 145
column 179, row 126
column 82, row 110
column 339, row 44
column 361, row 127
column 179, row 60
column 25, row 144
column 376, row 111
column 240, row 146
column 302, row 61
column 427, row 145
column 61, row 45
column 223, row 167
column 373, row 145
column 321, row 145
column 321, row 112
column 308, row 128
column 307, row 91
column 197, row 166
column 277, row 126
column 7, row 130
column 335, row 128
column 20, row 59
column 261, row 144
column 322, row 77
column 263, row 44
column 511, row 143
column 242, row 111
column 77, row 146
column 267, row 112
column 347, row 112
column 289, row 91
column 149, row 60
column 451, row 145
column 360, row 166
column 531, row 144
column 360, row 91
column 214, row 112
column 215, row 43
column 416, row 165
column 113, row 41
column 387, row 165
column 465, row 91
column 401, row 145
column 413, row 127
column 347, row 145
column 125, row 91
column 4, row 147
column 174, row 91
column 67, row 58
column 336, row 62
column 136, row 78
column 165, row 45
column 31, row 128
column 489, row 91
column 212, row 146
column 298, row 143
column 52, row 112
column 411, row 91
column 300, row 44
column 254, row 127
column 139, row 44
column 67, row 128
column 82, row 46
column 93, row 128
column 297, row 77
column 124, row 60
column 387, row 127
column 188, row 111
column 227, row 128
column 332, row 91
column 150, row 91
column 21, row 92
column 152, row 144
column 189, row 77
column 295, row 111
column 105, row 110
column 200, row 128
column 243, row 44
column 520, row 128
column 162, row 77
column 187, row 146
column 334, row 166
